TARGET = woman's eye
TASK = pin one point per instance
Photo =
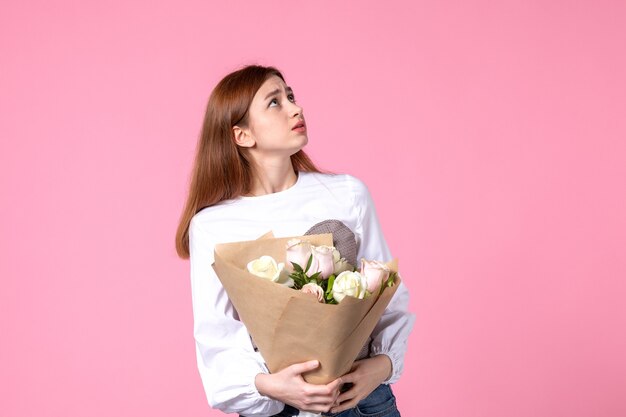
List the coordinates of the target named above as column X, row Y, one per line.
column 290, row 97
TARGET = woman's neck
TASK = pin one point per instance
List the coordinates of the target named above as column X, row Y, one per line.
column 272, row 179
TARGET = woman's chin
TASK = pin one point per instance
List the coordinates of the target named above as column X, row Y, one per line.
column 301, row 145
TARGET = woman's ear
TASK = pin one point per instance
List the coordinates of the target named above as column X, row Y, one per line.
column 243, row 137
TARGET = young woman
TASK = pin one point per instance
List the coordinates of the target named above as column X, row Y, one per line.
column 251, row 176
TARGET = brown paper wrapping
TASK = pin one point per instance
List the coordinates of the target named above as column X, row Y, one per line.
column 288, row 326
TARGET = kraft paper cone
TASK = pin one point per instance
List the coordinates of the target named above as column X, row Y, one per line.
column 288, row 326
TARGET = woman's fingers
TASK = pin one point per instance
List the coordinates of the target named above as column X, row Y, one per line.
column 345, row 406
column 326, row 391
column 321, row 397
column 347, row 396
column 318, row 403
column 336, row 384
column 354, row 375
column 291, row 388
column 351, row 377
column 314, row 402
column 300, row 368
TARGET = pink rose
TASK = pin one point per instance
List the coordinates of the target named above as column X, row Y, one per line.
column 298, row 251
column 323, row 261
column 375, row 273
column 315, row 290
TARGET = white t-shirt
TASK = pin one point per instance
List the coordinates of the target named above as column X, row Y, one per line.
column 227, row 361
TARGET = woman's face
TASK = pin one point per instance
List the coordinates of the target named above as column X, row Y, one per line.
column 272, row 117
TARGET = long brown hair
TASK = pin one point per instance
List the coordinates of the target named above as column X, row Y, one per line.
column 222, row 170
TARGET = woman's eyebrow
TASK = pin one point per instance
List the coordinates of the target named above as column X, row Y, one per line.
column 288, row 90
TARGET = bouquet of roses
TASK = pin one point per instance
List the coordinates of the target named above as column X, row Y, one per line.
column 327, row 275
column 289, row 326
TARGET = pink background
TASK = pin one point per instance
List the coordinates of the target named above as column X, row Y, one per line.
column 492, row 136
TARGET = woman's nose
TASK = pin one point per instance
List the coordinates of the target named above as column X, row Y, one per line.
column 296, row 110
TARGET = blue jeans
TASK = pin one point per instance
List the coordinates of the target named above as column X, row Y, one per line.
column 380, row 403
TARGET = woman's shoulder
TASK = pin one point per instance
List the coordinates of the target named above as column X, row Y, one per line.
column 340, row 186
column 322, row 185
column 337, row 180
column 213, row 213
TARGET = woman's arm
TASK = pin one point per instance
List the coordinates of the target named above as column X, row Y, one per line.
column 227, row 361
column 289, row 386
column 392, row 330
column 234, row 375
column 389, row 337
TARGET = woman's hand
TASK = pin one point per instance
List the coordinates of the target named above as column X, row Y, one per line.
column 289, row 386
column 365, row 376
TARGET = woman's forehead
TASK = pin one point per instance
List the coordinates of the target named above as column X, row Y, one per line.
column 271, row 85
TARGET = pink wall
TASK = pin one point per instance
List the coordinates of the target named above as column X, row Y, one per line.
column 491, row 135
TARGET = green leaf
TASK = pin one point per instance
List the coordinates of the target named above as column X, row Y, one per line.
column 389, row 283
column 300, row 279
column 308, row 264
column 296, row 267
column 331, row 282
